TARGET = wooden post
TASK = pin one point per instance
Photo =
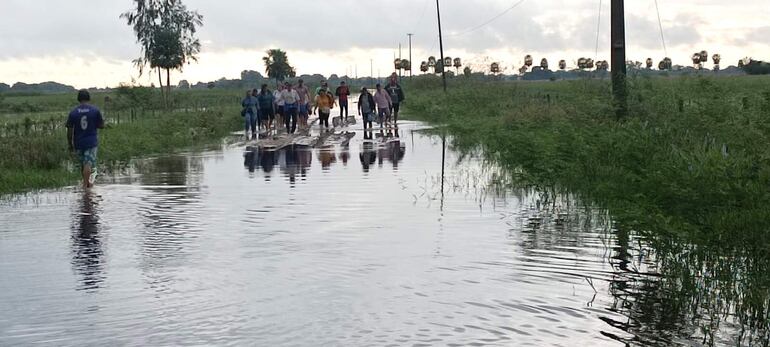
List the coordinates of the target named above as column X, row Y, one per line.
column 618, row 39
column 441, row 44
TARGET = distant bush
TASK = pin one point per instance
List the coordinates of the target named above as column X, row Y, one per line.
column 756, row 67
column 23, row 107
column 133, row 96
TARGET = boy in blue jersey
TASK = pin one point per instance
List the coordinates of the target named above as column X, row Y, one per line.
column 82, row 125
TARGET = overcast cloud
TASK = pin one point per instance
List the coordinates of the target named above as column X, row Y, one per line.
column 83, row 42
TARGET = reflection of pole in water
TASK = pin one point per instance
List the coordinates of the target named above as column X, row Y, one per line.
column 87, row 253
column 443, row 164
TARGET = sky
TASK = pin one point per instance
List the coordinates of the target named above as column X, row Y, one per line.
column 84, row 42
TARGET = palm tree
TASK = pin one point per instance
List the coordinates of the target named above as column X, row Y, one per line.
column 277, row 65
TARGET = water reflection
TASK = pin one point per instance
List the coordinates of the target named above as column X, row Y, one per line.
column 327, row 157
column 263, row 158
column 502, row 262
column 665, row 289
column 296, row 160
column 684, row 291
column 87, row 249
column 391, row 148
column 170, row 214
column 368, row 154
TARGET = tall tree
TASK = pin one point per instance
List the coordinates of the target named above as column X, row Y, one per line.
column 166, row 31
column 277, row 65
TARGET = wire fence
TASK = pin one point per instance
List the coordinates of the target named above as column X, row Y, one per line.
column 32, row 125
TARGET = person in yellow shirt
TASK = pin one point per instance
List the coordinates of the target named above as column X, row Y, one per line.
column 324, row 102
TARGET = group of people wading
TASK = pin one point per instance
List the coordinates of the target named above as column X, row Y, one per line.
column 292, row 105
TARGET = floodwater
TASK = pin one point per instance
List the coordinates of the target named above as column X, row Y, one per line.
column 364, row 244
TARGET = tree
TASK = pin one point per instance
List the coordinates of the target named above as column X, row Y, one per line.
column 756, row 67
column 251, row 77
column 183, row 84
column 166, row 31
column 467, row 71
column 277, row 65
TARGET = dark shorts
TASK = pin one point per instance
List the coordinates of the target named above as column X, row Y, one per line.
column 290, row 110
column 303, row 110
column 396, row 107
column 267, row 114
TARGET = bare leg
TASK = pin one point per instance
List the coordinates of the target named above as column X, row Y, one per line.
column 87, row 176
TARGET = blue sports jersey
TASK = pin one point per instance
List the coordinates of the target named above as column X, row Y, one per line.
column 85, row 120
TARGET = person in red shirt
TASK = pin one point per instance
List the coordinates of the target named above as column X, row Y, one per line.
column 342, row 94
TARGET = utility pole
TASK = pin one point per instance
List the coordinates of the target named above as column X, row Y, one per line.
column 618, row 39
column 400, row 70
column 371, row 72
column 410, row 55
column 441, row 44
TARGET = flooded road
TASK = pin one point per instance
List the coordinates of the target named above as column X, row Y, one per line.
column 357, row 245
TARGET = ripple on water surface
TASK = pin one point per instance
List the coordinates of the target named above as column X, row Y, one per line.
column 360, row 243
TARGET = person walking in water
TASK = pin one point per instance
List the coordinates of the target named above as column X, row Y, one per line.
column 366, row 107
column 396, row 95
column 278, row 105
column 342, row 94
column 304, row 103
column 324, row 102
column 384, row 104
column 250, row 113
column 290, row 99
column 82, row 135
column 266, row 107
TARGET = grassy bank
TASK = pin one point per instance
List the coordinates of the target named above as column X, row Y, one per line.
column 691, row 158
column 41, row 159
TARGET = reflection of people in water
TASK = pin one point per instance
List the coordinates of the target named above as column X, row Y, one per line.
column 368, row 155
column 327, row 157
column 345, row 154
column 295, row 159
column 261, row 157
column 396, row 149
column 391, row 148
column 87, row 253
column 267, row 160
column 250, row 160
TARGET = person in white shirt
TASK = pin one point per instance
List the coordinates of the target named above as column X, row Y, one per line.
column 290, row 99
column 278, row 104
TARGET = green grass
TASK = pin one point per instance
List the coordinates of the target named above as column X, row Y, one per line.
column 41, row 159
column 688, row 169
column 691, row 158
column 33, row 150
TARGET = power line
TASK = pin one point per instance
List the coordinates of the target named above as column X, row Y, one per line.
column 470, row 30
column 660, row 24
column 598, row 29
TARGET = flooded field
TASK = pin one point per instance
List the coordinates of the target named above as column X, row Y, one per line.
column 363, row 243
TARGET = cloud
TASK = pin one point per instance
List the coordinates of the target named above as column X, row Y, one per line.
column 754, row 36
column 334, row 36
column 79, row 27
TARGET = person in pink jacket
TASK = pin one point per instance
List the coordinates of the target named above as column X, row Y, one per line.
column 384, row 103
